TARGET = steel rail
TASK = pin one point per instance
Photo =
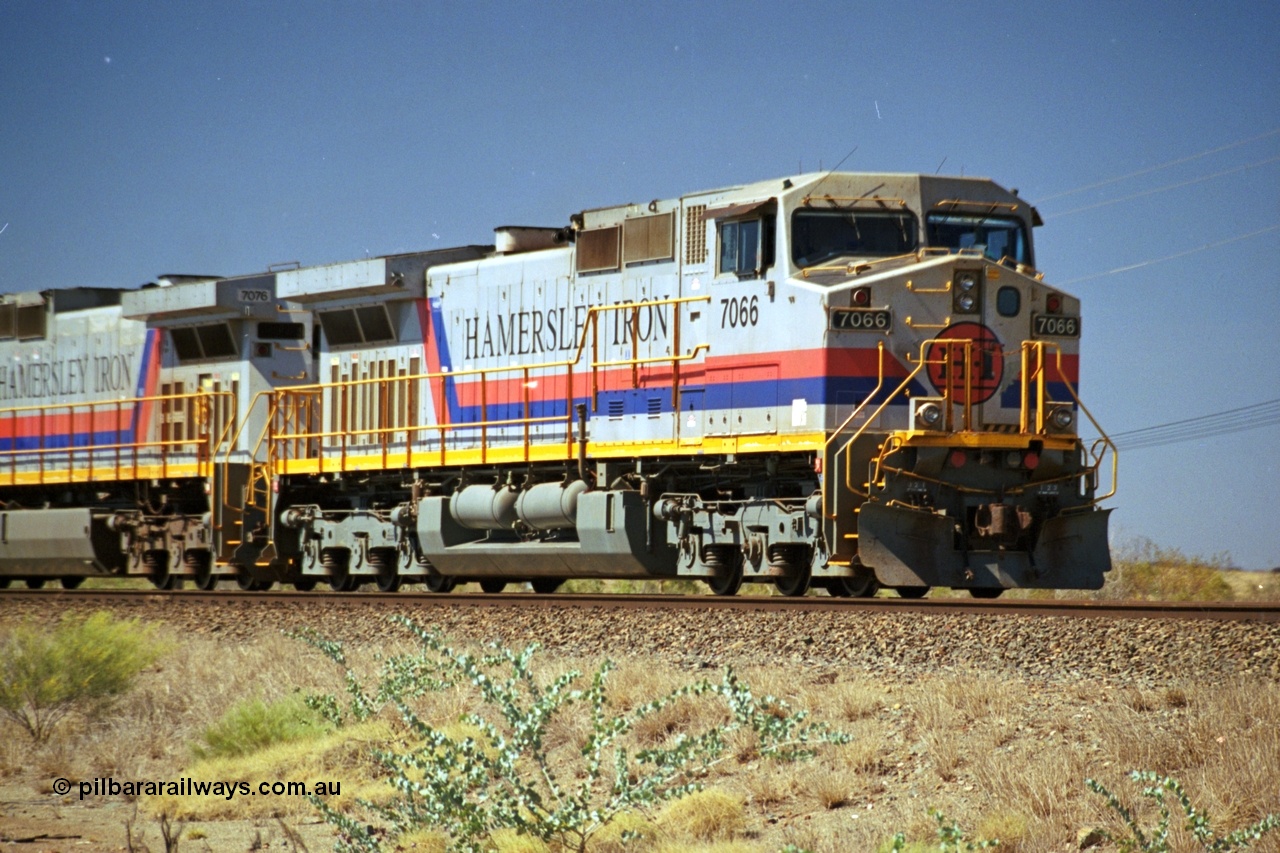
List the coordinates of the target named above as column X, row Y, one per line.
column 1226, row 611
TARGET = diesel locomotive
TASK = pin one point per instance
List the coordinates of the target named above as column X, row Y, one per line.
column 843, row 381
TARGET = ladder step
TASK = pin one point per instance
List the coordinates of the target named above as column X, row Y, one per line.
column 851, row 536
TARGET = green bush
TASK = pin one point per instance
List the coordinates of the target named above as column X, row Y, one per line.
column 81, row 663
column 253, row 724
column 950, row 839
column 496, row 775
column 1156, row 839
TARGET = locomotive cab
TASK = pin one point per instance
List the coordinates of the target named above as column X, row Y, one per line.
column 961, row 466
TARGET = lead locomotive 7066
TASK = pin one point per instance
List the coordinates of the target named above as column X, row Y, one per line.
column 839, row 380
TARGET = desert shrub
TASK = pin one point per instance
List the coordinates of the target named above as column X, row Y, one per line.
column 82, row 663
column 1157, row 840
column 500, row 775
column 253, row 724
column 950, row 839
column 1144, row 570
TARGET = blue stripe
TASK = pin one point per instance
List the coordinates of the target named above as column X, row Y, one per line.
column 843, row 391
column 446, row 360
column 63, row 441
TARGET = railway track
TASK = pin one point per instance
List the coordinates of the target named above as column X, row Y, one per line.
column 1206, row 611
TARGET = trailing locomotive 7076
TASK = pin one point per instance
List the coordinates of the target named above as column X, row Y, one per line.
column 842, row 381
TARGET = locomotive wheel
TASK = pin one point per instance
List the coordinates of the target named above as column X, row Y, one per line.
column 855, row 587
column 987, row 592
column 337, row 565
column 157, row 565
column 795, row 585
column 728, row 584
column 727, row 561
column 34, row 583
column 201, row 564
column 246, row 582
column 305, row 584
column 912, row 591
column 341, row 583
column 546, row 586
column 384, row 562
column 71, row 583
column 493, row 587
column 439, row 583
column 4, row 583
column 793, row 561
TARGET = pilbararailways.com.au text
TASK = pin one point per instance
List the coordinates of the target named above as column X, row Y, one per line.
column 188, row 787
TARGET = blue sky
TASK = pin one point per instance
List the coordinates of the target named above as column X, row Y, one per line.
column 145, row 138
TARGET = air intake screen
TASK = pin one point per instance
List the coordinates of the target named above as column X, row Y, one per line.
column 648, row 238
column 31, row 320
column 598, row 249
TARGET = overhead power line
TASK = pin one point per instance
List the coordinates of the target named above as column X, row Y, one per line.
column 1181, row 254
column 1147, row 171
column 1164, row 188
column 1230, row 421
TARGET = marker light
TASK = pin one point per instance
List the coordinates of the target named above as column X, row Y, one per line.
column 1031, row 461
column 1053, row 304
column 958, row 458
column 860, row 297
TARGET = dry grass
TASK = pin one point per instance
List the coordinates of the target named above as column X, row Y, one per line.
column 709, row 815
column 1005, row 758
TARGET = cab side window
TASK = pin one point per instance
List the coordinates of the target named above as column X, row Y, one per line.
column 746, row 247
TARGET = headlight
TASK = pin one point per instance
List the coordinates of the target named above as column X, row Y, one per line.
column 966, row 290
column 1061, row 418
column 929, row 415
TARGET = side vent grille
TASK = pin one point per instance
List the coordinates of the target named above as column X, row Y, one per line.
column 695, row 235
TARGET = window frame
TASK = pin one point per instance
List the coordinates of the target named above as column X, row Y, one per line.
column 764, row 243
column 907, row 218
column 979, row 220
column 193, row 348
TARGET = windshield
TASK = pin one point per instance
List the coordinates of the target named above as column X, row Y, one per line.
column 996, row 236
column 820, row 235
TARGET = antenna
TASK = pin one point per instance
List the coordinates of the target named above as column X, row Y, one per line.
column 939, row 169
column 828, row 174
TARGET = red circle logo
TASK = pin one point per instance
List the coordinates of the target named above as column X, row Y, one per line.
column 946, row 356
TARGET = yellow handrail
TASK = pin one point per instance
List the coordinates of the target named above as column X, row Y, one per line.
column 309, row 442
column 128, row 455
column 1031, row 352
column 826, row 480
column 1104, row 439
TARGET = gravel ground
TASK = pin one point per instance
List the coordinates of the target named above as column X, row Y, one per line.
column 1056, row 661
column 1132, row 653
